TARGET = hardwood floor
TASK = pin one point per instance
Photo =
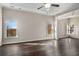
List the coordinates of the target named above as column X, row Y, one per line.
column 62, row 47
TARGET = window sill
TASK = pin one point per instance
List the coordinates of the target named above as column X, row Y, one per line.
column 12, row 37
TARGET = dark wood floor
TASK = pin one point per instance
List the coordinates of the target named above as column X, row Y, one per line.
column 62, row 47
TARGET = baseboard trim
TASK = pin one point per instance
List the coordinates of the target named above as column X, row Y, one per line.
column 63, row 37
column 34, row 41
column 74, row 38
column 28, row 41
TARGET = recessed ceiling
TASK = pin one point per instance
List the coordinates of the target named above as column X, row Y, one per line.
column 32, row 7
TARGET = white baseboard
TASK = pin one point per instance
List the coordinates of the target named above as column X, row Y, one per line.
column 48, row 38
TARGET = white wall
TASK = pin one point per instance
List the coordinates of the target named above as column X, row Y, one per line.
column 63, row 22
column 75, row 21
column 30, row 26
column 0, row 26
column 62, row 28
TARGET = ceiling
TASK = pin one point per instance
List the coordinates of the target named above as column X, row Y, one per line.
column 32, row 7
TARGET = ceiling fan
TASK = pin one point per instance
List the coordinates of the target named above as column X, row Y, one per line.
column 48, row 5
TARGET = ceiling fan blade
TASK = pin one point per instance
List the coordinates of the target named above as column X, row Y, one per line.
column 55, row 5
column 40, row 7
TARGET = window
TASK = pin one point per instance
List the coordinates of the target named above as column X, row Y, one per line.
column 49, row 28
column 11, row 28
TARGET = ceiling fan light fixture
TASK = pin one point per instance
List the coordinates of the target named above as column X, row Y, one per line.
column 48, row 5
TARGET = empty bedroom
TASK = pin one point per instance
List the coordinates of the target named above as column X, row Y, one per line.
column 39, row 29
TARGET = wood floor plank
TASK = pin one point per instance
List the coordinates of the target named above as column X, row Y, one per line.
column 62, row 47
